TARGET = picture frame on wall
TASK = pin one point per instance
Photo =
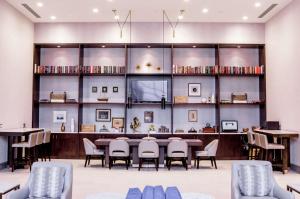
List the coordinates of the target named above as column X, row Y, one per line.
column 194, row 90
column 103, row 115
column 59, row 116
column 115, row 89
column 148, row 116
column 192, row 115
column 117, row 122
column 104, row 89
column 94, row 89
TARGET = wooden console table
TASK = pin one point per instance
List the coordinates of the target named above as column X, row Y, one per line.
column 163, row 143
column 285, row 136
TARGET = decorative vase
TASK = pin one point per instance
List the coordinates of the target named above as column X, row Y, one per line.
column 63, row 127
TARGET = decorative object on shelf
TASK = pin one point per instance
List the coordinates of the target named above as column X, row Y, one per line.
column 213, row 98
column 239, row 98
column 192, row 130
column 129, row 102
column 208, row 100
column 102, row 99
column 87, row 128
column 94, row 89
column 158, row 68
column 103, row 115
column 104, row 129
column 135, row 124
column 117, row 122
column 58, row 97
column 62, row 127
column 121, row 25
column 72, row 125
column 115, row 89
column 104, row 89
column 208, row 129
column 245, row 130
column 225, row 101
column 151, row 129
column 148, row 116
column 192, row 115
column 180, row 99
column 229, row 125
column 148, row 64
column 59, row 116
column 179, row 131
column 163, row 129
column 163, row 102
column 138, row 67
column 194, row 89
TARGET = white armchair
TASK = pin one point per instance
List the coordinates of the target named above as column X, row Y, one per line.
column 91, row 151
column 209, row 152
column 66, row 193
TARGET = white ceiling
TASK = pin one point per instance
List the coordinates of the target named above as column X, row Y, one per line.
column 149, row 10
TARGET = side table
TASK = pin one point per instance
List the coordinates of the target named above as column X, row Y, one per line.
column 6, row 187
column 294, row 187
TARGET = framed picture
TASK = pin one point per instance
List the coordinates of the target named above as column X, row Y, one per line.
column 59, row 116
column 194, row 89
column 94, row 89
column 115, row 89
column 103, row 115
column 104, row 89
column 192, row 115
column 117, row 122
column 148, row 116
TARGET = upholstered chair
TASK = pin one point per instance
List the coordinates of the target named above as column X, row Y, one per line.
column 91, row 151
column 177, row 151
column 39, row 145
column 47, row 145
column 253, row 179
column 30, row 146
column 43, row 185
column 266, row 146
column 119, row 150
column 148, row 150
column 209, row 152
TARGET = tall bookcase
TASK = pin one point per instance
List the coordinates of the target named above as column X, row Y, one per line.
column 136, row 58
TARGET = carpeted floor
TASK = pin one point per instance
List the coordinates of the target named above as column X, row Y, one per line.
column 95, row 179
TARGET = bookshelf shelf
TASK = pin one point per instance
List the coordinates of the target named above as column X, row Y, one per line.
column 56, row 74
column 102, row 74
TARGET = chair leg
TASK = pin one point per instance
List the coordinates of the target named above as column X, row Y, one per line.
column 156, row 163
column 185, row 163
column 214, row 158
column 89, row 160
column 86, row 159
column 140, row 163
column 212, row 161
column 13, row 160
column 102, row 161
column 110, row 163
column 127, row 163
column 198, row 160
column 170, row 163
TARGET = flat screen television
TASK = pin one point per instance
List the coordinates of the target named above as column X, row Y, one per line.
column 148, row 90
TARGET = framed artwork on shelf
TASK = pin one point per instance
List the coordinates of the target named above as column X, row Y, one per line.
column 94, row 89
column 104, row 89
column 59, row 116
column 117, row 122
column 148, row 116
column 192, row 115
column 103, row 115
column 115, row 89
column 194, row 89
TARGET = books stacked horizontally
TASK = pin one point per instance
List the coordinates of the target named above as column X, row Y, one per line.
column 56, row 69
column 103, row 69
column 242, row 70
column 205, row 70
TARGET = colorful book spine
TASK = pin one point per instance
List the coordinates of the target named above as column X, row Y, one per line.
column 103, row 69
column 56, row 69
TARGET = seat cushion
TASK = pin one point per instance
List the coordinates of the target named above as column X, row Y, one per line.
column 148, row 154
column 98, row 152
column 21, row 145
column 201, row 153
column 255, row 180
column 46, row 182
column 177, row 154
column 275, row 146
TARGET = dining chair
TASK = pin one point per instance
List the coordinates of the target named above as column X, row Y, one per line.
column 148, row 151
column 91, row 151
column 119, row 150
column 177, row 151
column 209, row 152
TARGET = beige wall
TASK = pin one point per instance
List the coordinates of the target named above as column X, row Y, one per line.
column 283, row 71
column 16, row 52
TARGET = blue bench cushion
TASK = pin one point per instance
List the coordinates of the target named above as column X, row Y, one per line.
column 173, row 193
column 134, row 193
column 148, row 192
column 159, row 192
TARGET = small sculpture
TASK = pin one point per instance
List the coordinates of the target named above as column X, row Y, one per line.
column 63, row 127
column 135, row 124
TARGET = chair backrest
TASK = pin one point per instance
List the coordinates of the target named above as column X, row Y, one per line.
column 263, row 141
column 212, row 147
column 177, row 148
column 175, row 138
column 250, row 136
column 32, row 139
column 47, row 137
column 148, row 138
column 119, row 146
column 89, row 146
column 148, row 147
column 39, row 138
column 257, row 139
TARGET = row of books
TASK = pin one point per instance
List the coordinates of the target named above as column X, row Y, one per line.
column 103, row 69
column 195, row 70
column 227, row 70
column 56, row 69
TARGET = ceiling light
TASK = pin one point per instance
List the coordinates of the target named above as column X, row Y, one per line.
column 257, row 4
column 238, row 46
column 58, row 46
column 194, row 46
column 186, row 0
column 53, row 17
column 95, row 10
column 103, row 46
column 149, row 46
column 205, row 10
column 39, row 4
column 110, row 0
column 245, row 18
column 180, row 17
column 117, row 17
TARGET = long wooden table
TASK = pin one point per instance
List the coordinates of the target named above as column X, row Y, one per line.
column 163, row 143
column 285, row 136
column 14, row 135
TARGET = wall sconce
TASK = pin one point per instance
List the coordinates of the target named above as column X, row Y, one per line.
column 121, row 24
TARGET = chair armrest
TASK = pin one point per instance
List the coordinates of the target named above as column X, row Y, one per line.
column 278, row 192
column 67, row 193
column 19, row 194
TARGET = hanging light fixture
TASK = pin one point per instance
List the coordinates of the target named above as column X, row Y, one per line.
column 174, row 24
column 121, row 24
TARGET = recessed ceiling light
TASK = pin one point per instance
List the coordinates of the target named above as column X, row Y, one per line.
column 53, row 17
column 117, row 17
column 257, row 4
column 205, row 10
column 103, row 46
column 39, row 4
column 186, row 0
column 180, row 17
column 95, row 10
column 109, row 0
column 238, row 46
column 245, row 18
column 148, row 46
column 194, row 46
column 58, row 46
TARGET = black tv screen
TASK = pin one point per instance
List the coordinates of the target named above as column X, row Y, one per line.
column 149, row 90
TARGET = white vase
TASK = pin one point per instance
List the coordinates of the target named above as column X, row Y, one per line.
column 72, row 125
